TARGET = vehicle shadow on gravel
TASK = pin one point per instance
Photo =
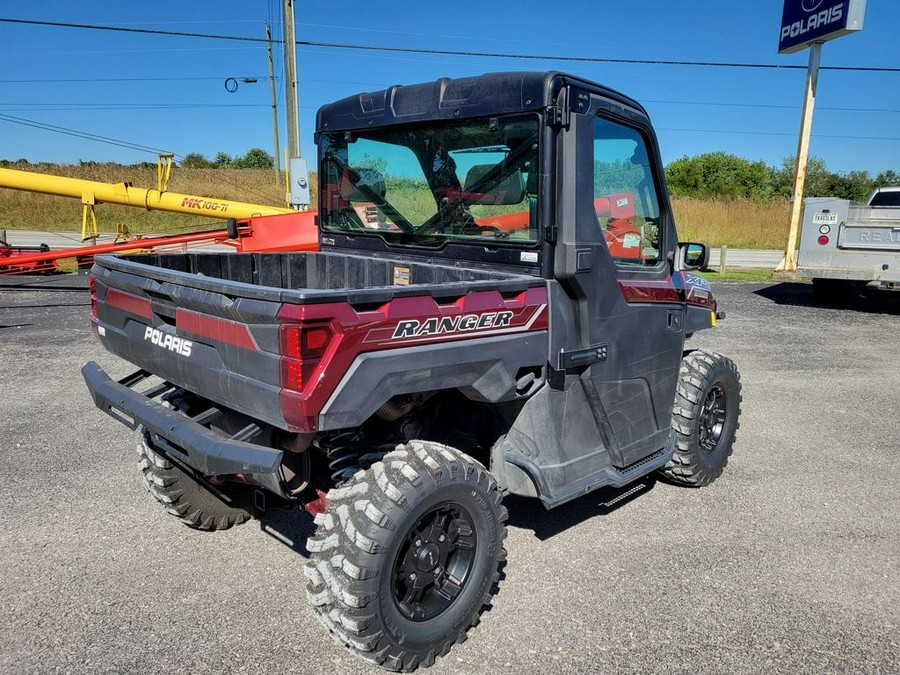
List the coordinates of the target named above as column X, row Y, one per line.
column 289, row 525
column 868, row 300
column 529, row 514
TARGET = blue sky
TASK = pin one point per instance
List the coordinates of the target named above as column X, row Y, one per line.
column 169, row 91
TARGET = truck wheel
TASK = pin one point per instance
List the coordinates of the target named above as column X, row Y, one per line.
column 407, row 555
column 195, row 503
column 705, row 418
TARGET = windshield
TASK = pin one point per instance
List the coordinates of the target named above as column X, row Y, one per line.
column 889, row 198
column 427, row 184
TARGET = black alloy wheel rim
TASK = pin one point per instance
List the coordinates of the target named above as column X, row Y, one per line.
column 434, row 562
column 712, row 419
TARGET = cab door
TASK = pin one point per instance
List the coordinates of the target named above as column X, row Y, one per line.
column 629, row 315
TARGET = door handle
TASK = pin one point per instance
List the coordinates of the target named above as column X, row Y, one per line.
column 674, row 319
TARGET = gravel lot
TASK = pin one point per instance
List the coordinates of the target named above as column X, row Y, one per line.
column 790, row 563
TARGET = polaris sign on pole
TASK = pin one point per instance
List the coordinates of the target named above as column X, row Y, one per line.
column 806, row 21
column 809, row 23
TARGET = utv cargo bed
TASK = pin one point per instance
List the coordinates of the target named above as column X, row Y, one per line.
column 272, row 335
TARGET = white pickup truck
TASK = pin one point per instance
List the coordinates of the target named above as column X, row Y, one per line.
column 845, row 245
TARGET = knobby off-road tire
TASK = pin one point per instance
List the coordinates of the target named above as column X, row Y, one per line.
column 706, row 418
column 186, row 497
column 407, row 555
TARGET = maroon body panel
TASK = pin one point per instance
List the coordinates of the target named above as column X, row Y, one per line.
column 403, row 322
column 680, row 287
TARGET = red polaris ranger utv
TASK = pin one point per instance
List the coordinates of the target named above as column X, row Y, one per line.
column 499, row 306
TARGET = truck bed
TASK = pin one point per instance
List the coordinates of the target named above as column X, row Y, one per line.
column 306, row 277
column 849, row 241
column 230, row 328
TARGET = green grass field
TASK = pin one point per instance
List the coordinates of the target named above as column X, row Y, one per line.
column 742, row 274
column 737, row 223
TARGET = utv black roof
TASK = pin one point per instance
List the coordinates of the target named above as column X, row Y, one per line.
column 446, row 98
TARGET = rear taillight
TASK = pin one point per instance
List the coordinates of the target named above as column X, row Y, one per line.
column 302, row 347
column 93, row 286
column 823, row 240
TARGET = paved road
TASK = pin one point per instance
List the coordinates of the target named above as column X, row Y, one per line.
column 788, row 564
column 741, row 258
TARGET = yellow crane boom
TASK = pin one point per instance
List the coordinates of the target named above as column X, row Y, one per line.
column 125, row 194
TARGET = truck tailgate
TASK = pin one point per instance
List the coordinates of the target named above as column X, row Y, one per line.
column 222, row 347
column 875, row 235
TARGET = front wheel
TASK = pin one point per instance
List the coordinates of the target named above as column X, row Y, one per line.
column 706, row 417
column 407, row 555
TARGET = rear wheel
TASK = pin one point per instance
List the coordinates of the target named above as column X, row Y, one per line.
column 407, row 555
column 195, row 502
column 705, row 418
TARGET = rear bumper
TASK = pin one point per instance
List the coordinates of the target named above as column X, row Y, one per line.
column 850, row 265
column 187, row 441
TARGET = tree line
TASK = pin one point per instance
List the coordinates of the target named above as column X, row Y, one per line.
column 719, row 174
column 254, row 158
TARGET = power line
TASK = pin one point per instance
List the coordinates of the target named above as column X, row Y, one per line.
column 450, row 52
column 143, row 148
column 776, row 133
column 79, row 134
column 110, row 141
column 87, row 105
column 182, row 23
column 222, row 78
column 55, row 107
column 141, row 31
column 162, row 104
column 767, row 105
column 125, row 79
column 592, row 59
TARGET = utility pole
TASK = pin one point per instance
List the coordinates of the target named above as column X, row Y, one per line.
column 277, row 154
column 298, row 170
column 789, row 262
column 290, row 79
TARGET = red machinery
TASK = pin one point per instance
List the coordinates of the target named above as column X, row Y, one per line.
column 251, row 227
column 295, row 231
column 18, row 259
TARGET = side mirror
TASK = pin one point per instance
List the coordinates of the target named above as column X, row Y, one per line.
column 694, row 256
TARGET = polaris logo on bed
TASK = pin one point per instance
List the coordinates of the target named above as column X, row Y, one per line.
column 168, row 341
column 452, row 324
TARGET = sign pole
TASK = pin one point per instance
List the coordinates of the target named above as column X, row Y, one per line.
column 789, row 262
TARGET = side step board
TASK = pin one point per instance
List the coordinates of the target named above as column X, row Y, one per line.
column 607, row 476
